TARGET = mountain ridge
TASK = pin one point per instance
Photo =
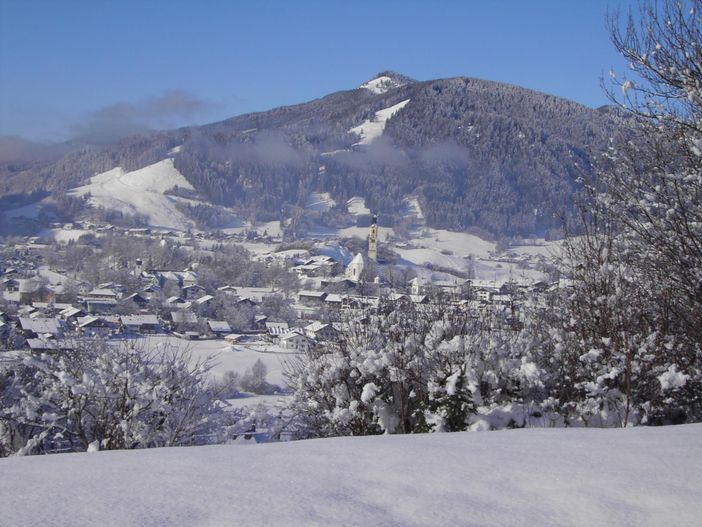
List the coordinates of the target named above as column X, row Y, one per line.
column 476, row 153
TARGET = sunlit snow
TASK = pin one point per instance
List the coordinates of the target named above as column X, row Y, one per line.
column 319, row 201
column 380, row 84
column 140, row 192
column 642, row 476
column 372, row 129
column 357, row 206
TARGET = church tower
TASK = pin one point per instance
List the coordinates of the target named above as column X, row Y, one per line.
column 373, row 239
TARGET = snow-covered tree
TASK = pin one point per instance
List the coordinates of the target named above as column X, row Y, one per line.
column 106, row 395
column 625, row 337
column 413, row 369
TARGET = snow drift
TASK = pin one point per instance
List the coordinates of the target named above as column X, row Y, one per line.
column 639, row 476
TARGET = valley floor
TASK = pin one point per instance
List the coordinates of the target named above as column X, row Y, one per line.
column 639, row 476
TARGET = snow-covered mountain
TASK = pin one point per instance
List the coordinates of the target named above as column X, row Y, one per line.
column 472, row 153
column 141, row 192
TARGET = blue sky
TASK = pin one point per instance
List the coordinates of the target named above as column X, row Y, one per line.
column 67, row 66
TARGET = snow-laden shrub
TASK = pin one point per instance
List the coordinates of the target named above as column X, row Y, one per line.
column 415, row 369
column 113, row 395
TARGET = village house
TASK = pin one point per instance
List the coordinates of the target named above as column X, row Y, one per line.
column 321, row 332
column 91, row 326
column 227, row 289
column 276, row 329
column 308, row 271
column 100, row 301
column 139, row 301
column 71, row 314
column 32, row 291
column 417, row 286
column 483, row 294
column 143, row 324
column 11, row 285
column 183, row 320
column 34, row 327
column 191, row 292
column 43, row 345
column 177, row 302
column 219, row 328
column 312, row 298
column 333, row 301
column 203, row 300
column 245, row 301
column 449, row 287
column 260, row 322
column 294, row 341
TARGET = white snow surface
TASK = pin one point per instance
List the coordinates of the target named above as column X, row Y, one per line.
column 357, row 206
column 672, row 378
column 591, row 477
column 227, row 357
column 319, row 201
column 413, row 209
column 370, row 130
column 140, row 192
column 380, row 84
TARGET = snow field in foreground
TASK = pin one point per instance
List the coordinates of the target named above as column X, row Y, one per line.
column 638, row 477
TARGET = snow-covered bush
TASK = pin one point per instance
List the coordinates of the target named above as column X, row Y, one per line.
column 411, row 369
column 113, row 395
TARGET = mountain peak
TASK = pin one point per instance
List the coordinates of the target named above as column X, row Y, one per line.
column 385, row 81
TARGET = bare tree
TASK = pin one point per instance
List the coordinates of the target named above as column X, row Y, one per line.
column 653, row 183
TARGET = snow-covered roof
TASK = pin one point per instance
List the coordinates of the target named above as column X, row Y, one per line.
column 277, row 328
column 102, row 292
column 43, row 344
column 394, row 297
column 219, row 326
column 27, row 285
column 292, row 335
column 204, row 299
column 183, row 316
column 136, row 296
column 138, row 320
column 70, row 312
column 312, row 294
column 334, row 298
column 315, row 326
column 42, row 325
column 90, row 321
column 358, row 259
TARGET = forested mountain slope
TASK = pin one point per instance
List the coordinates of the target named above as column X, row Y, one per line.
column 475, row 153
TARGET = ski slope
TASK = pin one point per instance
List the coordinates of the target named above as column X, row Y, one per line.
column 357, row 206
column 371, row 129
column 577, row 477
column 140, row 192
column 319, row 201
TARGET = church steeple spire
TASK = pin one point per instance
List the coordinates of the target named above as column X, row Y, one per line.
column 373, row 239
